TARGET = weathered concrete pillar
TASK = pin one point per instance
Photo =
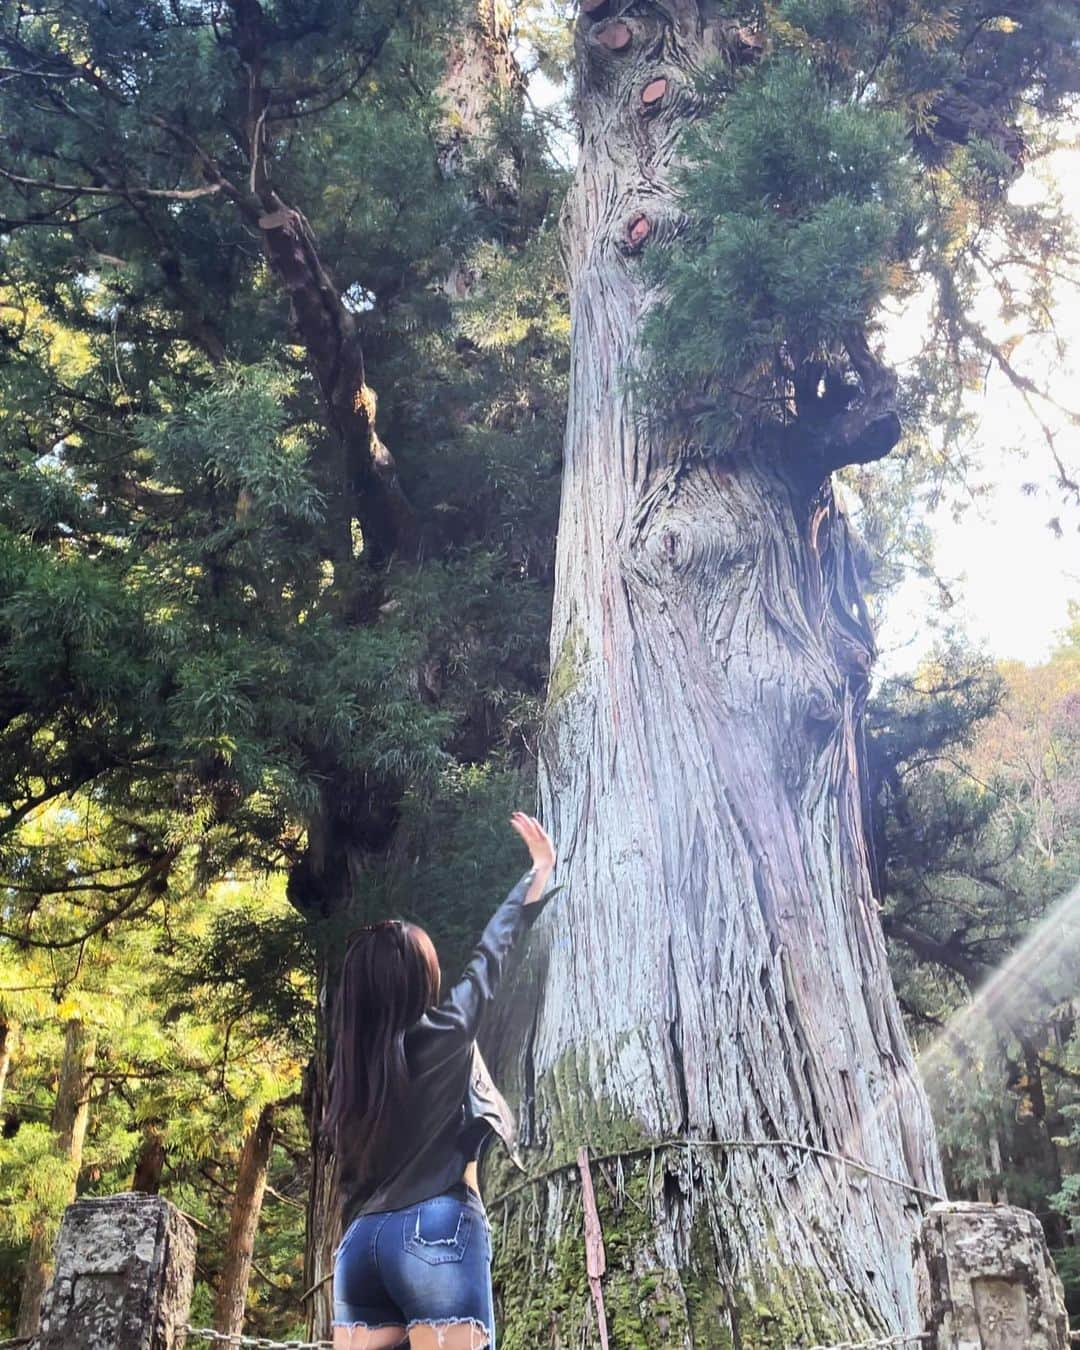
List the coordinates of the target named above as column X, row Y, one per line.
column 986, row 1280
column 125, row 1266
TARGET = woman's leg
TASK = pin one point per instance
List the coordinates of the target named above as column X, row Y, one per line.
column 369, row 1338
column 448, row 1336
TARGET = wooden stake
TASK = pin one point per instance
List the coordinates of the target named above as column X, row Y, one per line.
column 595, row 1260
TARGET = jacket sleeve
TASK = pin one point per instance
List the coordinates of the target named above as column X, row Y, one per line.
column 457, row 1017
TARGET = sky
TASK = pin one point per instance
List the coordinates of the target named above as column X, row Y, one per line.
column 1013, row 576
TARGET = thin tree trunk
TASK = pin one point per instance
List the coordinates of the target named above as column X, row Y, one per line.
column 70, row 1117
column 480, row 64
column 151, row 1160
column 243, row 1225
column 7, row 1045
column 715, row 969
column 319, row 887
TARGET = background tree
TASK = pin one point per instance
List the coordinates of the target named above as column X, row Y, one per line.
column 68, row 1123
column 164, row 1073
column 249, row 622
column 975, row 775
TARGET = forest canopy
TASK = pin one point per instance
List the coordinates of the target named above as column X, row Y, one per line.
column 285, row 378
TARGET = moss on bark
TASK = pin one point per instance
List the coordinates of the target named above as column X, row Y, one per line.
column 583, row 1114
column 543, row 1293
column 573, row 652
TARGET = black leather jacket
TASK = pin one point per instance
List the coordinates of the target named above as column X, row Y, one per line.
column 451, row 1101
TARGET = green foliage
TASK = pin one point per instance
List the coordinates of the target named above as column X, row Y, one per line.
column 234, row 437
column 458, row 865
column 975, row 775
column 34, row 1179
column 865, row 157
column 183, row 1058
column 227, row 718
column 801, row 198
column 1067, row 1261
column 190, row 618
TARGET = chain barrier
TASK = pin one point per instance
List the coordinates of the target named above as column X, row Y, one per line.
column 264, row 1342
column 253, row 1342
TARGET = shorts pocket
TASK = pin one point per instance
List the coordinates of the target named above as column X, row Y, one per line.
column 438, row 1230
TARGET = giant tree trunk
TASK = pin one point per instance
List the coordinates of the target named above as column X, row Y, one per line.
column 248, row 1196
column 71, row 1115
column 715, row 969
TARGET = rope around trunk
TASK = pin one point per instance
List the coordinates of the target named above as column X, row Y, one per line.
column 675, row 1142
column 264, row 1343
column 873, row 1345
column 815, row 1149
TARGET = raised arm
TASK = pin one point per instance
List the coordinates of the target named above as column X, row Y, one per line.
column 460, row 1011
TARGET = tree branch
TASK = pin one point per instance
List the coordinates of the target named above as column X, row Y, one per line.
column 85, row 190
column 159, row 869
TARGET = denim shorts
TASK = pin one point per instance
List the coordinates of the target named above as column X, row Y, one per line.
column 429, row 1263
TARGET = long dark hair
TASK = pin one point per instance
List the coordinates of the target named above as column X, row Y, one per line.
column 389, row 978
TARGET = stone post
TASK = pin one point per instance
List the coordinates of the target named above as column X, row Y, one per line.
column 124, row 1270
column 986, row 1280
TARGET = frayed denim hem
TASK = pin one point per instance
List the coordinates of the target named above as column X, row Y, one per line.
column 357, row 1333
column 438, row 1325
column 478, row 1339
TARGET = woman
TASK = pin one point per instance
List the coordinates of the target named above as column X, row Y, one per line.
column 411, row 1107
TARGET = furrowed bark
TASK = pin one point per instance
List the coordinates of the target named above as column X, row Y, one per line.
column 480, row 67
column 71, row 1115
column 715, row 968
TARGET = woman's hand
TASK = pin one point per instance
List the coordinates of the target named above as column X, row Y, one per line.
column 541, row 849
